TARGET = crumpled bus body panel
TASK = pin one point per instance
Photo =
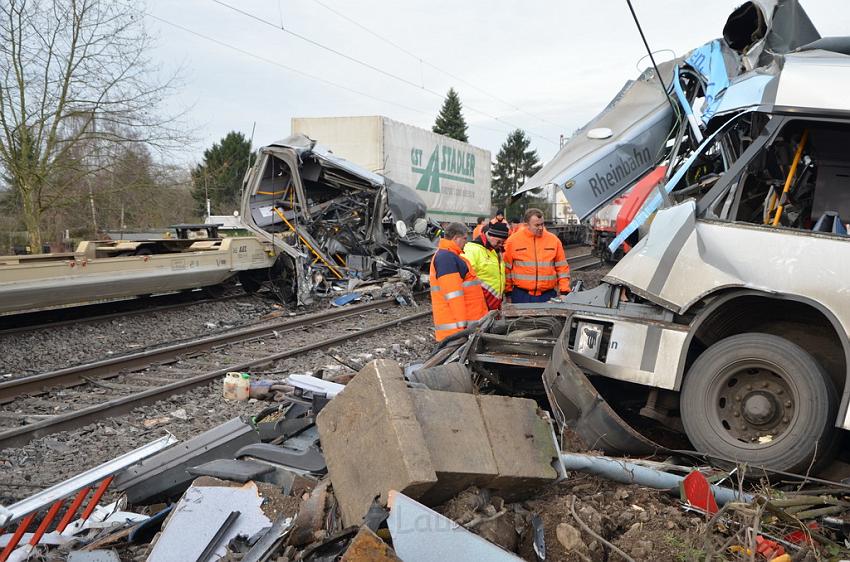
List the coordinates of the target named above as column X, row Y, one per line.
column 630, row 136
column 614, row 150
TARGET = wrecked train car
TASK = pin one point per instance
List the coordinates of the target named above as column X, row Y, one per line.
column 335, row 223
column 727, row 323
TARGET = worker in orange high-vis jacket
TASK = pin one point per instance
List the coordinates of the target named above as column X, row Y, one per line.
column 456, row 296
column 479, row 228
column 536, row 268
column 514, row 225
column 500, row 217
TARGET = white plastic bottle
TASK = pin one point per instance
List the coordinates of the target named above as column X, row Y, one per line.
column 237, row 386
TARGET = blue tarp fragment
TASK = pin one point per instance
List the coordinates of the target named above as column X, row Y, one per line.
column 346, row 299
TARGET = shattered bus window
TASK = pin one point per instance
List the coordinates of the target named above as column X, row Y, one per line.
column 800, row 180
column 717, row 156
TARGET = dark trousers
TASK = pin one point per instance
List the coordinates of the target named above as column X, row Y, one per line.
column 521, row 296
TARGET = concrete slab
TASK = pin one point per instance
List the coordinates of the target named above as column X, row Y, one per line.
column 457, row 440
column 521, row 442
column 379, row 435
column 373, row 442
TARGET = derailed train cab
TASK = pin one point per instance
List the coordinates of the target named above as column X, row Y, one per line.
column 335, row 223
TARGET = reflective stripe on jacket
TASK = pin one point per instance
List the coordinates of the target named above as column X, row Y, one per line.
column 489, row 268
column 536, row 263
column 456, row 295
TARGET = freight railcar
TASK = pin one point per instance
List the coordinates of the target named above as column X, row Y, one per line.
column 106, row 270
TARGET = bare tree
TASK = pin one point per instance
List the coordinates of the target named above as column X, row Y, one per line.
column 76, row 85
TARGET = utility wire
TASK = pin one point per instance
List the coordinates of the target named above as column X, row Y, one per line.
column 302, row 73
column 281, row 65
column 435, row 67
column 651, row 57
column 372, row 67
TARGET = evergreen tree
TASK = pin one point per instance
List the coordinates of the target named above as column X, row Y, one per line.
column 450, row 121
column 220, row 175
column 514, row 164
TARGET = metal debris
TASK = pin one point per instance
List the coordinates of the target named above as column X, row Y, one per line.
column 621, row 470
column 201, row 513
column 163, row 476
column 337, row 224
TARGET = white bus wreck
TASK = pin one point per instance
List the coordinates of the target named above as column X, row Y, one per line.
column 728, row 321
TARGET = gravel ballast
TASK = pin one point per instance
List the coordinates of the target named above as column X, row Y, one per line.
column 48, row 349
column 43, row 462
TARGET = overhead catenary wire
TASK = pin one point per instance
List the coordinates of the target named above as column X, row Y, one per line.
column 301, row 72
column 374, row 68
column 283, row 66
column 652, row 57
column 432, row 65
column 665, row 196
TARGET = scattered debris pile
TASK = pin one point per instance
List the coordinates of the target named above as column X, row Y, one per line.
column 335, row 223
column 382, row 467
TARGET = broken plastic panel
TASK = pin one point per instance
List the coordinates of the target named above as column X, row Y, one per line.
column 420, row 533
column 200, row 513
column 46, row 497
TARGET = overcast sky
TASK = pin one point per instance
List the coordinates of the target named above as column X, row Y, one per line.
column 545, row 67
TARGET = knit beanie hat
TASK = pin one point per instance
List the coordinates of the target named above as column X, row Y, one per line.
column 498, row 230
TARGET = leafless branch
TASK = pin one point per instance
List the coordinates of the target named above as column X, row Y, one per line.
column 78, row 88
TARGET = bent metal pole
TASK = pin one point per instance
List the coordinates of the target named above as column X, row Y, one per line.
column 783, row 199
column 625, row 472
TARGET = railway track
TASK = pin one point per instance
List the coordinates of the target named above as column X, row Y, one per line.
column 150, row 375
column 15, row 323
column 583, row 261
column 118, row 385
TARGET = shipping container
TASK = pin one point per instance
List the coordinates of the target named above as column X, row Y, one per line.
column 452, row 177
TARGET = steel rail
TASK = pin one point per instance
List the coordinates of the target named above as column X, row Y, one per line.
column 583, row 262
column 78, row 374
column 119, row 406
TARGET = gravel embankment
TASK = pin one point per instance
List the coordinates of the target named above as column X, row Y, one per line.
column 592, row 275
column 43, row 462
column 48, row 349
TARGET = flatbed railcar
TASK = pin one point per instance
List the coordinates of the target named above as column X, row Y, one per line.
column 108, row 270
